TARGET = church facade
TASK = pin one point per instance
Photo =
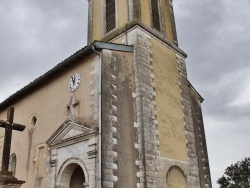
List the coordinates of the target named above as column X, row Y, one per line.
column 118, row 113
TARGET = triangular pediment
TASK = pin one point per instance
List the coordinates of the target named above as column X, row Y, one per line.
column 71, row 129
column 73, row 132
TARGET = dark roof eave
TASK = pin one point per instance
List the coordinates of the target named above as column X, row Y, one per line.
column 84, row 52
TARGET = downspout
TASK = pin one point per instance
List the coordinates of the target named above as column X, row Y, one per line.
column 99, row 118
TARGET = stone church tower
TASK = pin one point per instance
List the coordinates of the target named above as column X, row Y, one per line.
column 118, row 113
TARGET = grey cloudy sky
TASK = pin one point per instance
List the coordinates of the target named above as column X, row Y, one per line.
column 35, row 35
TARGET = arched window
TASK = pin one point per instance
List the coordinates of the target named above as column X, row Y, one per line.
column 176, row 178
column 12, row 164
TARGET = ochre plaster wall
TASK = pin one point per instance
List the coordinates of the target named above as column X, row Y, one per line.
column 97, row 19
column 146, row 12
column 49, row 104
column 169, row 107
column 122, row 13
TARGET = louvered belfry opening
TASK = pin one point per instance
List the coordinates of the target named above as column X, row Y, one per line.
column 110, row 15
column 155, row 14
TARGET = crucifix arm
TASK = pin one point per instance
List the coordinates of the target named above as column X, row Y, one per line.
column 15, row 126
column 18, row 127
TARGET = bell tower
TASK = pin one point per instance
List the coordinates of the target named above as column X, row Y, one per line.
column 109, row 18
column 167, row 146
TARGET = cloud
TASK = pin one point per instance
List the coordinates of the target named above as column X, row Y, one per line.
column 37, row 35
column 215, row 36
column 226, row 148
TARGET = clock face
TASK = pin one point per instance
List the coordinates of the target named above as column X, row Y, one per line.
column 74, row 82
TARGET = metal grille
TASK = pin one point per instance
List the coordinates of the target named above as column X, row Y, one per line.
column 110, row 15
column 155, row 14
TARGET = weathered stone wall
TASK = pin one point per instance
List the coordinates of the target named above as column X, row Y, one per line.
column 200, row 139
column 152, row 167
column 193, row 169
column 146, row 124
column 118, row 135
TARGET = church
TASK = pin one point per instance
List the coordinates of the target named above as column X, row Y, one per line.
column 118, row 113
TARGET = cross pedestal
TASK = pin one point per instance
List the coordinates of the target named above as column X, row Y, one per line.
column 9, row 181
column 6, row 177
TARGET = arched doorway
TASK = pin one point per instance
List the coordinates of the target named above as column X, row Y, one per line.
column 72, row 176
column 77, row 179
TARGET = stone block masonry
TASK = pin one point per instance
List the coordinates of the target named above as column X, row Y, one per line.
column 146, row 115
column 193, row 169
column 151, row 167
column 109, row 122
column 118, row 106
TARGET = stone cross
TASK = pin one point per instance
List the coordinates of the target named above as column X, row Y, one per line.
column 71, row 107
column 9, row 126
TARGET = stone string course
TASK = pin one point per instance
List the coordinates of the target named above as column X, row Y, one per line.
column 193, row 171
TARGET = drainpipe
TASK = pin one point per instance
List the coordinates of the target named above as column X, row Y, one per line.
column 99, row 118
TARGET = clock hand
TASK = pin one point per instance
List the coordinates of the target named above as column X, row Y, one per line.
column 73, row 79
